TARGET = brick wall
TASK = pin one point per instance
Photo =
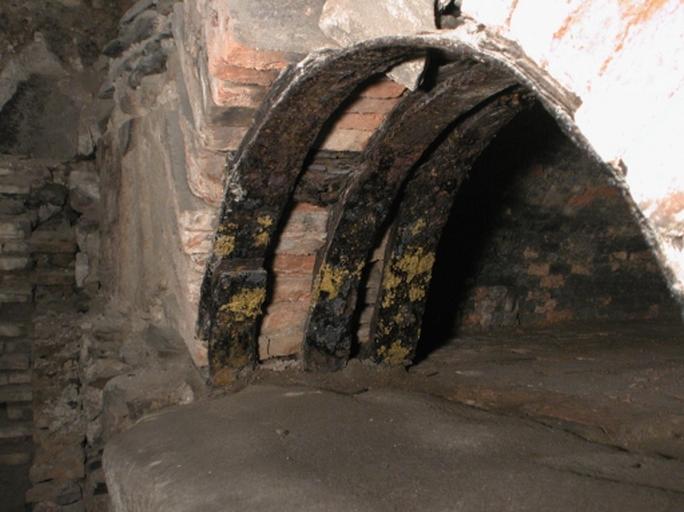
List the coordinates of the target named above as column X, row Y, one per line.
column 539, row 236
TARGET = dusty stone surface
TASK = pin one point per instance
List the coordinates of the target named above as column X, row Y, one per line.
column 273, row 448
column 284, row 26
column 615, row 384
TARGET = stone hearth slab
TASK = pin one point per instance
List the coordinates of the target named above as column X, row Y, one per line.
column 270, row 448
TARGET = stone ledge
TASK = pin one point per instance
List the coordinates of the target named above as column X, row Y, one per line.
column 270, row 448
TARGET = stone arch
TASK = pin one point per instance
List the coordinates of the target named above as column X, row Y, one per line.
column 421, row 217
column 404, row 137
column 264, row 171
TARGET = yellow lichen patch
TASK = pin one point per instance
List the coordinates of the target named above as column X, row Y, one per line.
column 261, row 239
column 245, row 304
column 412, row 264
column 390, row 279
column 418, row 226
column 416, row 293
column 395, row 355
column 332, row 279
column 228, row 228
column 264, row 221
column 384, row 328
column 415, row 263
column 398, row 319
column 389, row 282
column 224, row 245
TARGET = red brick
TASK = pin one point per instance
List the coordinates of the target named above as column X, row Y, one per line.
column 383, row 89
column 285, row 315
column 347, row 140
column 228, row 94
column 246, row 76
column 225, row 53
column 538, row 269
column 292, row 288
column 553, row 281
column 372, row 106
column 294, row 263
column 557, row 316
column 357, row 121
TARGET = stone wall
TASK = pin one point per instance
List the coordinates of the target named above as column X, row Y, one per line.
column 48, row 254
column 540, row 235
column 61, row 356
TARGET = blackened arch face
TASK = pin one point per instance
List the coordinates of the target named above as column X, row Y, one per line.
column 265, row 170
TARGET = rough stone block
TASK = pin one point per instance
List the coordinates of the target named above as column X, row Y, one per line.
column 53, row 277
column 16, row 458
column 351, row 21
column 54, row 491
column 18, row 176
column 15, row 226
column 11, row 329
column 104, row 369
column 19, row 411
column 8, row 263
column 58, row 459
column 53, row 239
column 15, row 346
column 16, row 293
column 11, row 206
column 84, row 189
column 127, row 398
column 14, row 247
column 16, row 392
column 19, row 377
column 15, row 429
column 261, row 36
